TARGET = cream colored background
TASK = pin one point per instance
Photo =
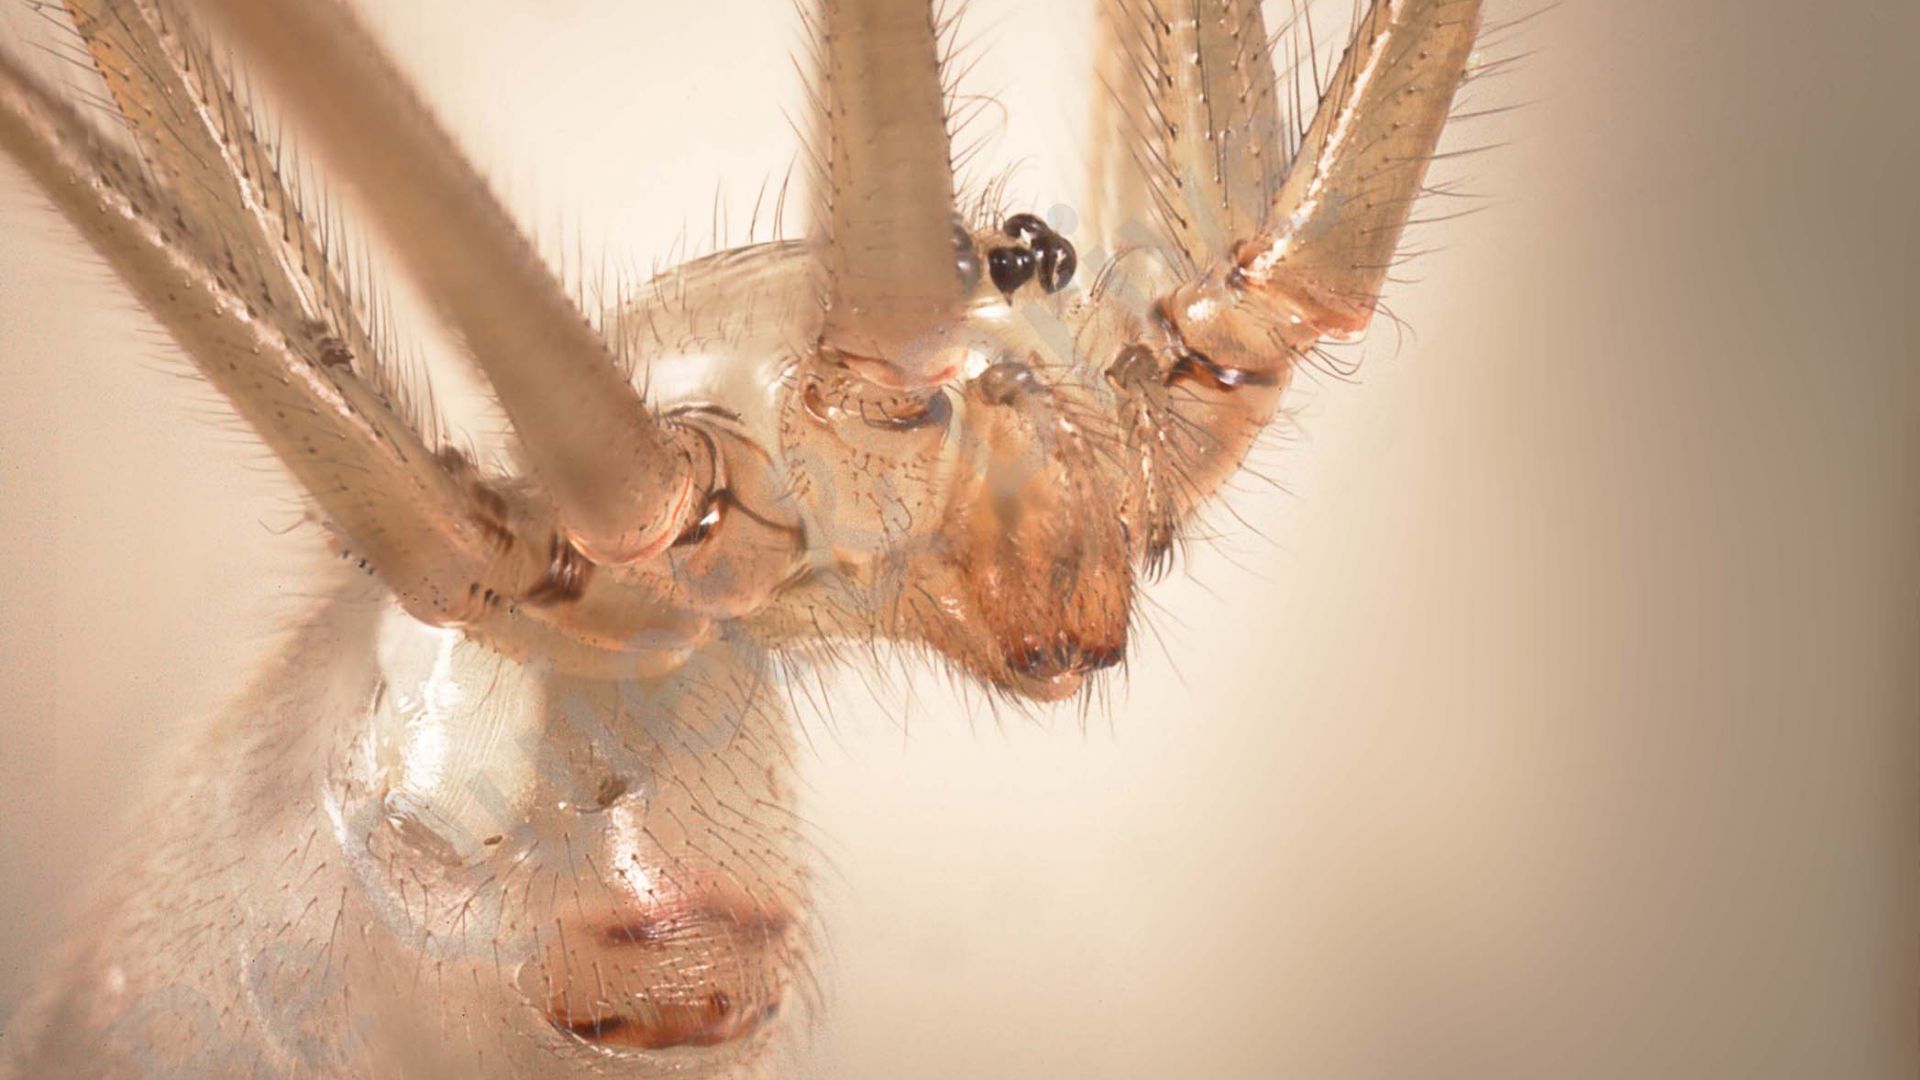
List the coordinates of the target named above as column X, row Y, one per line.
column 1558, row 714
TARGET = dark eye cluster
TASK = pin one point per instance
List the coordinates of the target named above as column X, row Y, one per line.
column 1039, row 252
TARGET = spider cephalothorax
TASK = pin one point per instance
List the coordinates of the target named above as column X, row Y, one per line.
column 951, row 403
column 904, row 428
column 969, row 479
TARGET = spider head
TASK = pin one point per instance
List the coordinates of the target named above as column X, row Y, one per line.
column 985, row 511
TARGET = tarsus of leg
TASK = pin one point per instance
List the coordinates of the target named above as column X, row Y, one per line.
column 624, row 484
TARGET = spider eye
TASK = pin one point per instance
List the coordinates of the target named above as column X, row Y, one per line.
column 966, row 259
column 1041, row 251
column 1025, row 228
column 1057, row 262
column 1011, row 267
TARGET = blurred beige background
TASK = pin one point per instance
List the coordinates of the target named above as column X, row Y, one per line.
column 1558, row 714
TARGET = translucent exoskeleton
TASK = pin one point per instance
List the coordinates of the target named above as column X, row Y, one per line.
column 515, row 800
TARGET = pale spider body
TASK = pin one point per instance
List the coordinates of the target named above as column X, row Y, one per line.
column 515, row 800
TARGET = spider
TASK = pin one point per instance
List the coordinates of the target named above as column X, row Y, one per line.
column 531, row 749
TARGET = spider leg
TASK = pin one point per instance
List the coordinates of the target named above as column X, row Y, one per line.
column 625, row 485
column 1118, row 200
column 1281, row 250
column 190, row 126
column 885, row 223
column 441, row 541
column 1337, row 220
column 1189, row 149
column 374, row 476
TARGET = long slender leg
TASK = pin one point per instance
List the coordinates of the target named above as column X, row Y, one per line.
column 625, row 485
column 1118, row 198
column 441, row 542
column 373, row 475
column 884, row 218
column 1191, row 146
column 191, row 128
column 1337, row 221
column 1304, row 267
